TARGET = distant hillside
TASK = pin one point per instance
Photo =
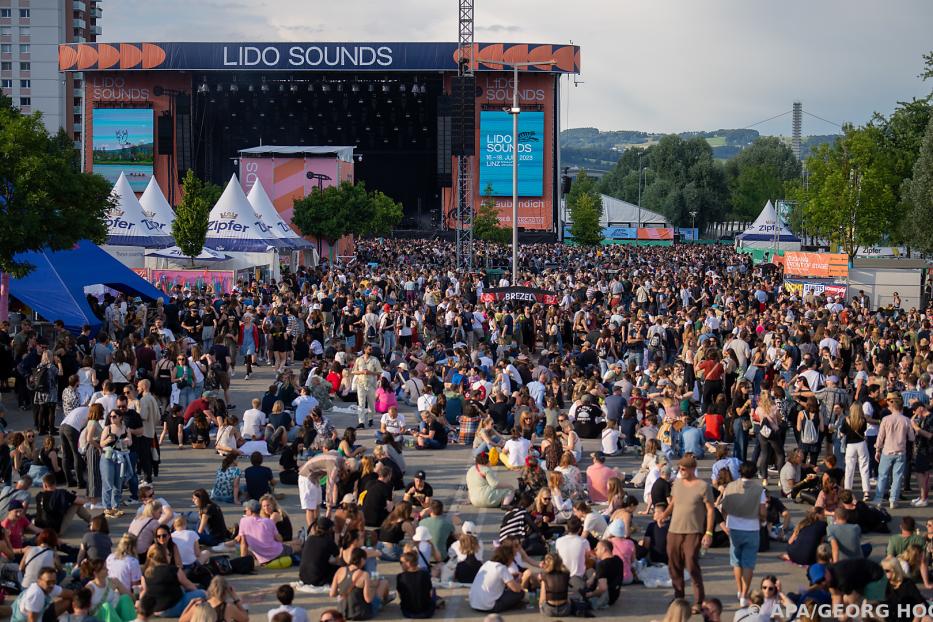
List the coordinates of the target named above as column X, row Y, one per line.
column 589, row 148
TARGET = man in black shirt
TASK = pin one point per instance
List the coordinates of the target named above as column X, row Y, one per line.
column 259, row 479
column 586, row 423
column 604, row 589
column 417, row 598
column 377, row 502
column 221, row 355
column 319, row 555
column 55, row 507
column 661, row 489
column 134, row 425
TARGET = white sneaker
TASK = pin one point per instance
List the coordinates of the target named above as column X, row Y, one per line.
column 246, row 377
column 220, row 548
column 892, row 504
column 919, row 503
column 872, row 482
column 743, row 602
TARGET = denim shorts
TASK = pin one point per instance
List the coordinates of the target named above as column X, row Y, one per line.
column 743, row 548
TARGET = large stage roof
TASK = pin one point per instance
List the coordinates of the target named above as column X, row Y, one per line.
column 330, row 57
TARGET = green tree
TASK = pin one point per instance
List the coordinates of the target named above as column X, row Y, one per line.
column 848, row 199
column 585, row 229
column 584, row 185
column 45, row 200
column 758, row 174
column 486, row 222
column 193, row 214
column 919, row 190
column 386, row 214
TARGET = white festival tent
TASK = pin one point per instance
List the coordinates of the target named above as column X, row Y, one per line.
column 129, row 230
column 156, row 207
column 264, row 208
column 768, row 232
column 233, row 228
column 173, row 252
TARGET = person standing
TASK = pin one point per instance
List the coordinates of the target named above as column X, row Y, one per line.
column 744, row 505
column 366, row 370
column 689, row 528
column 853, row 429
column 150, row 413
column 894, row 433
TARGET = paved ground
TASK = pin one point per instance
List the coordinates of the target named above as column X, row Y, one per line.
column 183, row 471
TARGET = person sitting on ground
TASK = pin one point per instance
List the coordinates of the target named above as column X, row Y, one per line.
column 96, row 543
column 259, row 479
column 17, row 524
column 806, row 537
column 285, row 594
column 212, row 530
column 57, row 507
column 123, row 564
column 429, row 557
column 147, row 496
column 655, row 539
column 554, row 600
column 440, row 525
column 362, row 596
column 603, row 588
column 467, row 551
column 43, row 553
column 598, row 476
column 43, row 600
column 319, row 555
column 495, row 589
column 419, row 492
column 417, row 598
column 167, row 584
column 227, row 481
column 908, row 535
column 484, row 488
column 259, row 537
column 845, row 537
column 186, row 540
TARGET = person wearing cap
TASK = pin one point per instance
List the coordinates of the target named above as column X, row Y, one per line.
column 17, row 525
column 258, row 536
column 692, row 517
column 429, row 558
column 419, row 492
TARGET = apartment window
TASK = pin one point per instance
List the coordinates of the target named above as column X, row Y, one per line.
column 25, row 84
column 6, row 83
column 24, row 13
column 24, row 48
column 6, row 48
column 25, row 66
column 25, row 101
column 6, row 13
column 6, row 66
column 24, row 31
column 6, row 31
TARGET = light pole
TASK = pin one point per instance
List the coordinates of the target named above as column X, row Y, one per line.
column 515, row 110
column 693, row 221
column 641, row 172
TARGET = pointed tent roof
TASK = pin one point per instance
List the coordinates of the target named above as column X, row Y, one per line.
column 156, row 207
column 127, row 225
column 55, row 288
column 233, row 225
column 263, row 206
column 768, row 227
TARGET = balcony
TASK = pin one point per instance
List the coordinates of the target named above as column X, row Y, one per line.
column 79, row 23
column 77, row 5
column 97, row 30
column 79, row 39
column 77, row 110
column 97, row 12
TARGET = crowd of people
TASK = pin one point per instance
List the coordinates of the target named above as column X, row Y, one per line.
column 655, row 360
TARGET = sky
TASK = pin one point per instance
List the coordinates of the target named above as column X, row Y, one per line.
column 647, row 65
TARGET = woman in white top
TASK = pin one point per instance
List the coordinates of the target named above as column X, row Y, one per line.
column 123, row 565
column 187, row 542
column 87, row 380
column 106, row 592
column 37, row 557
column 121, row 372
column 495, row 589
column 571, row 440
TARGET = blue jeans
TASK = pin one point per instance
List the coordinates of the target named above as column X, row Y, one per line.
column 740, row 444
column 389, row 552
column 889, row 462
column 111, row 483
column 743, row 548
column 179, row 607
column 208, row 539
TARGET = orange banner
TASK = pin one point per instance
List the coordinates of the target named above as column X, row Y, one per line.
column 655, row 233
column 820, row 265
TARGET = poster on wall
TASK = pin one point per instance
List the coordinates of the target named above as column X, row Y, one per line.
column 495, row 153
column 817, row 287
column 122, row 142
column 216, row 281
column 816, row 265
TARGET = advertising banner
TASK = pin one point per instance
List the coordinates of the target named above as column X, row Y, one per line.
column 816, row 265
column 817, row 287
column 519, row 294
column 330, row 56
column 217, row 281
column 495, row 153
column 655, row 233
column 123, row 143
column 687, row 234
column 882, row 251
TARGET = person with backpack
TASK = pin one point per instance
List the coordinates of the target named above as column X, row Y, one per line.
column 810, row 428
column 43, row 381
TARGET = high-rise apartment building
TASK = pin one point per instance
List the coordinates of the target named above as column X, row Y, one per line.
column 30, row 31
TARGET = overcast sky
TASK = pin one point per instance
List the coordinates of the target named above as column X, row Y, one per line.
column 650, row 65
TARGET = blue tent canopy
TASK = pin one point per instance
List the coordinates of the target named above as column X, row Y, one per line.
column 55, row 288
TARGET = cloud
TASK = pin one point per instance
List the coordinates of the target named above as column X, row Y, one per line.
column 653, row 66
